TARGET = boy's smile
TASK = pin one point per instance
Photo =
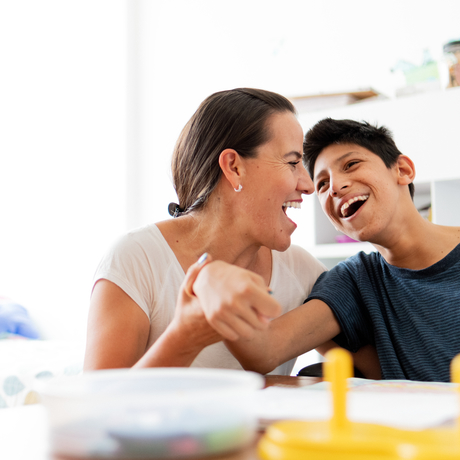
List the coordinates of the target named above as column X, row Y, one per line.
column 355, row 190
column 352, row 205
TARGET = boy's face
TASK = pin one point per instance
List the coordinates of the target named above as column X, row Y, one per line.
column 357, row 192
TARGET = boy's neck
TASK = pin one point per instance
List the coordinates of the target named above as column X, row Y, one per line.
column 419, row 244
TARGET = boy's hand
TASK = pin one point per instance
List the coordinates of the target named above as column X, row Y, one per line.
column 235, row 301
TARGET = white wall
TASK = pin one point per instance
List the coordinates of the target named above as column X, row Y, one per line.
column 62, row 152
column 185, row 50
column 425, row 127
column 93, row 94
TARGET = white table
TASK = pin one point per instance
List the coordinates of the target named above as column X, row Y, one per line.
column 23, row 433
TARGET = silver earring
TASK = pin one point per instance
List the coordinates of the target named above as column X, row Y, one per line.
column 237, row 190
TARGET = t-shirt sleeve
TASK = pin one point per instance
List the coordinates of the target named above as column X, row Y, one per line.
column 126, row 265
column 339, row 289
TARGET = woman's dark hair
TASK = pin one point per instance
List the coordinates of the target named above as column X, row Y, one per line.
column 378, row 140
column 236, row 119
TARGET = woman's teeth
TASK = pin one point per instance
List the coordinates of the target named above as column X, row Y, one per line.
column 292, row 204
column 346, row 205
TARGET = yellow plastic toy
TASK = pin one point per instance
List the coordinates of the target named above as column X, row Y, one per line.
column 341, row 439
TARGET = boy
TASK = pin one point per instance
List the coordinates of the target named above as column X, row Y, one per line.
column 402, row 299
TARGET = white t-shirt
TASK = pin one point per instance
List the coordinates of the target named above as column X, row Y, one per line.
column 145, row 267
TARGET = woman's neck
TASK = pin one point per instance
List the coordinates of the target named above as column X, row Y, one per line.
column 192, row 235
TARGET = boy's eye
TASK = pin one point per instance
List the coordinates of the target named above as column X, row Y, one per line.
column 320, row 185
column 351, row 163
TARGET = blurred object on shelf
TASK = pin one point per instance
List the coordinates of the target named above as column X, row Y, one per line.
column 425, row 212
column 15, row 320
column 418, row 79
column 345, row 239
column 452, row 54
column 322, row 101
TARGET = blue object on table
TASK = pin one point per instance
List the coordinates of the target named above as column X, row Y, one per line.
column 15, row 319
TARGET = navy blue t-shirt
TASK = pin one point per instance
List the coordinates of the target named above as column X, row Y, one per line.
column 411, row 316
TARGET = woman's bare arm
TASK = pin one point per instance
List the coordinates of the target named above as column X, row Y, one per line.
column 118, row 330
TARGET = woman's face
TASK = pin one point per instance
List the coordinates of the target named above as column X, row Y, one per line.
column 275, row 181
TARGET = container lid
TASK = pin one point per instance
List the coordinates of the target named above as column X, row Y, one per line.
column 340, row 438
column 157, row 383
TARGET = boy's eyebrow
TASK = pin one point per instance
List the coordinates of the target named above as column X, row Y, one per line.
column 337, row 160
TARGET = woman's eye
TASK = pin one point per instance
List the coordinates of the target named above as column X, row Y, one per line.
column 294, row 163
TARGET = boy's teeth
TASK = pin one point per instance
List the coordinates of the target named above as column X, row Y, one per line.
column 351, row 201
column 291, row 204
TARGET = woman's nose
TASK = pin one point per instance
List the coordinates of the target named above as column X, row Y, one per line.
column 305, row 184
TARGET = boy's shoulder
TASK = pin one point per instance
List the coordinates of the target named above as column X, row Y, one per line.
column 360, row 259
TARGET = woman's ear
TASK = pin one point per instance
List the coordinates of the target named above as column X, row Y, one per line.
column 406, row 170
column 232, row 167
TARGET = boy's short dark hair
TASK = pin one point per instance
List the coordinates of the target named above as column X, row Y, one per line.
column 378, row 140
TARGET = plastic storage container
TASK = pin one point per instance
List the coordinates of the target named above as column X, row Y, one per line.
column 151, row 413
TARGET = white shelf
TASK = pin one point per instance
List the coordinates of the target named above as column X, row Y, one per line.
column 425, row 128
column 339, row 250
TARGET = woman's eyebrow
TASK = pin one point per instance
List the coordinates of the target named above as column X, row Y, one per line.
column 298, row 155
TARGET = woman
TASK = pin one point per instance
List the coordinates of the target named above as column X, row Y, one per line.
column 236, row 169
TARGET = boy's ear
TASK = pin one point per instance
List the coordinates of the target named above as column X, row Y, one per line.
column 232, row 166
column 406, row 170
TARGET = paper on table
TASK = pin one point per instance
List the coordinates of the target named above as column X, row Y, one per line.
column 401, row 404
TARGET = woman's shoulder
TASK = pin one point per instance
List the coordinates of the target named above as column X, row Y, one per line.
column 296, row 267
column 143, row 243
column 141, row 236
column 294, row 273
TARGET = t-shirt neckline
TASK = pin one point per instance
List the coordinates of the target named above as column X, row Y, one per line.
column 439, row 267
column 176, row 260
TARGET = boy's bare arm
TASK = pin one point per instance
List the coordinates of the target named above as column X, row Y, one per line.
column 236, row 303
column 292, row 334
column 365, row 359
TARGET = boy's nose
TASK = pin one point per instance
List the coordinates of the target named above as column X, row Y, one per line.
column 337, row 187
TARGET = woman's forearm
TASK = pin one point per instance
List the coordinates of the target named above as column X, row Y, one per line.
column 118, row 332
column 171, row 350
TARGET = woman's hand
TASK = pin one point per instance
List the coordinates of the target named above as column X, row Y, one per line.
column 188, row 333
column 236, row 302
column 189, row 316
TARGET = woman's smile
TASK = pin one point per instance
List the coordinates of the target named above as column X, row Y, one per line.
column 291, row 204
column 275, row 179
